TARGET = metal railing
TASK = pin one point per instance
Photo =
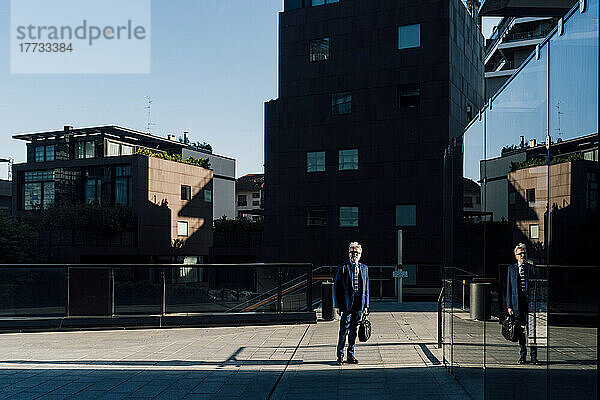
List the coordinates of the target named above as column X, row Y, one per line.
column 51, row 290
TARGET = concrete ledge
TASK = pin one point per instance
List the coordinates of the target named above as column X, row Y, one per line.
column 37, row 324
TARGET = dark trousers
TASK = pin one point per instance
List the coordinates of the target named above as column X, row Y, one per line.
column 348, row 326
column 523, row 338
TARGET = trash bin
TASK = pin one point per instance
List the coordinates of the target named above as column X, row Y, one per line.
column 327, row 301
column 481, row 305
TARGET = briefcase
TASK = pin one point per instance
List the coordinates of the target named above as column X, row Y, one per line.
column 364, row 329
column 511, row 329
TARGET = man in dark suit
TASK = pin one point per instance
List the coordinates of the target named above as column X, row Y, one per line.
column 517, row 283
column 352, row 299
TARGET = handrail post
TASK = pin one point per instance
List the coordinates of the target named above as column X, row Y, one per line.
column 279, row 296
column 439, row 317
column 68, row 283
column 112, row 288
column 309, row 285
column 163, row 307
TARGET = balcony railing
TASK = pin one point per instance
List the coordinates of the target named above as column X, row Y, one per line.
column 85, row 290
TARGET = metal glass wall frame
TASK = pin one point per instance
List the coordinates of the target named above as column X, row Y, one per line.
column 553, row 94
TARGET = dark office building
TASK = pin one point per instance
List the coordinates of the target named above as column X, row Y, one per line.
column 370, row 94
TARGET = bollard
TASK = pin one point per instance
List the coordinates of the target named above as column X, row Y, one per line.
column 327, row 312
column 481, row 309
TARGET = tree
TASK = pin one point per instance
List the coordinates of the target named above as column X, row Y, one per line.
column 16, row 241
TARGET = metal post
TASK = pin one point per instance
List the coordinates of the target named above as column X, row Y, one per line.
column 67, row 279
column 112, row 296
column 463, row 293
column 164, row 293
column 279, row 297
column 309, row 285
column 439, row 338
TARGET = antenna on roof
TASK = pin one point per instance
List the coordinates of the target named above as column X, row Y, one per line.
column 148, row 107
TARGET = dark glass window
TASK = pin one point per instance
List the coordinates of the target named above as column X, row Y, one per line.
column 341, row 103
column 38, row 190
column 123, row 185
column 50, row 153
column 319, row 49
column 256, row 195
column 90, row 149
column 242, row 201
column 186, row 192
column 406, row 215
column 409, row 36
column 316, row 216
column 348, row 159
column 39, row 154
column 348, row 216
column 208, row 196
column 409, row 96
column 531, row 195
column 93, row 190
column 512, row 198
column 315, row 161
column 256, row 202
column 314, row 3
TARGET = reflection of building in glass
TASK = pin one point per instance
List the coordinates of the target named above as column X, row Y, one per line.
column 100, row 196
column 551, row 98
column 249, row 191
column 511, row 43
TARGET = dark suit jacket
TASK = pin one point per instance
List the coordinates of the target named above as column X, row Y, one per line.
column 344, row 291
column 512, row 286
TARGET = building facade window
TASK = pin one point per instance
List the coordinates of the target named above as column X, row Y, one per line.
column 530, row 196
column 85, row 149
column 208, row 196
column 39, row 154
column 534, row 231
column 93, row 190
column 44, row 153
column 255, row 203
column 512, row 198
column 341, row 103
column 406, row 215
column 319, row 49
column 348, row 159
column 256, row 195
column 182, row 228
column 123, row 185
column 38, row 190
column 409, row 96
column 242, row 200
column 315, row 161
column 186, row 192
column 114, row 149
column 315, row 3
column 349, row 216
column 409, row 36
column 316, row 216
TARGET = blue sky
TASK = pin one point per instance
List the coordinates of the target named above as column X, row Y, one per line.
column 214, row 64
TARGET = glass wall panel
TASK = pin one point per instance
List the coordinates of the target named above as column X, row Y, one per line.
column 574, row 76
column 28, row 292
column 138, row 290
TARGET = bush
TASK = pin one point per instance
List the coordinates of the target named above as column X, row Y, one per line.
column 199, row 162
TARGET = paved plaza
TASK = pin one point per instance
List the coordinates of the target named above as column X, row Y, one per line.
column 278, row 362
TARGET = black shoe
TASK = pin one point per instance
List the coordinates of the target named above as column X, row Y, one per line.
column 340, row 360
column 534, row 361
column 522, row 360
column 352, row 360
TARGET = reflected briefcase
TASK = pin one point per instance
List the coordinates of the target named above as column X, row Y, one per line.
column 511, row 329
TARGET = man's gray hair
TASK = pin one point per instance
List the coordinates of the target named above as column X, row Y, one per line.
column 356, row 245
column 520, row 246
